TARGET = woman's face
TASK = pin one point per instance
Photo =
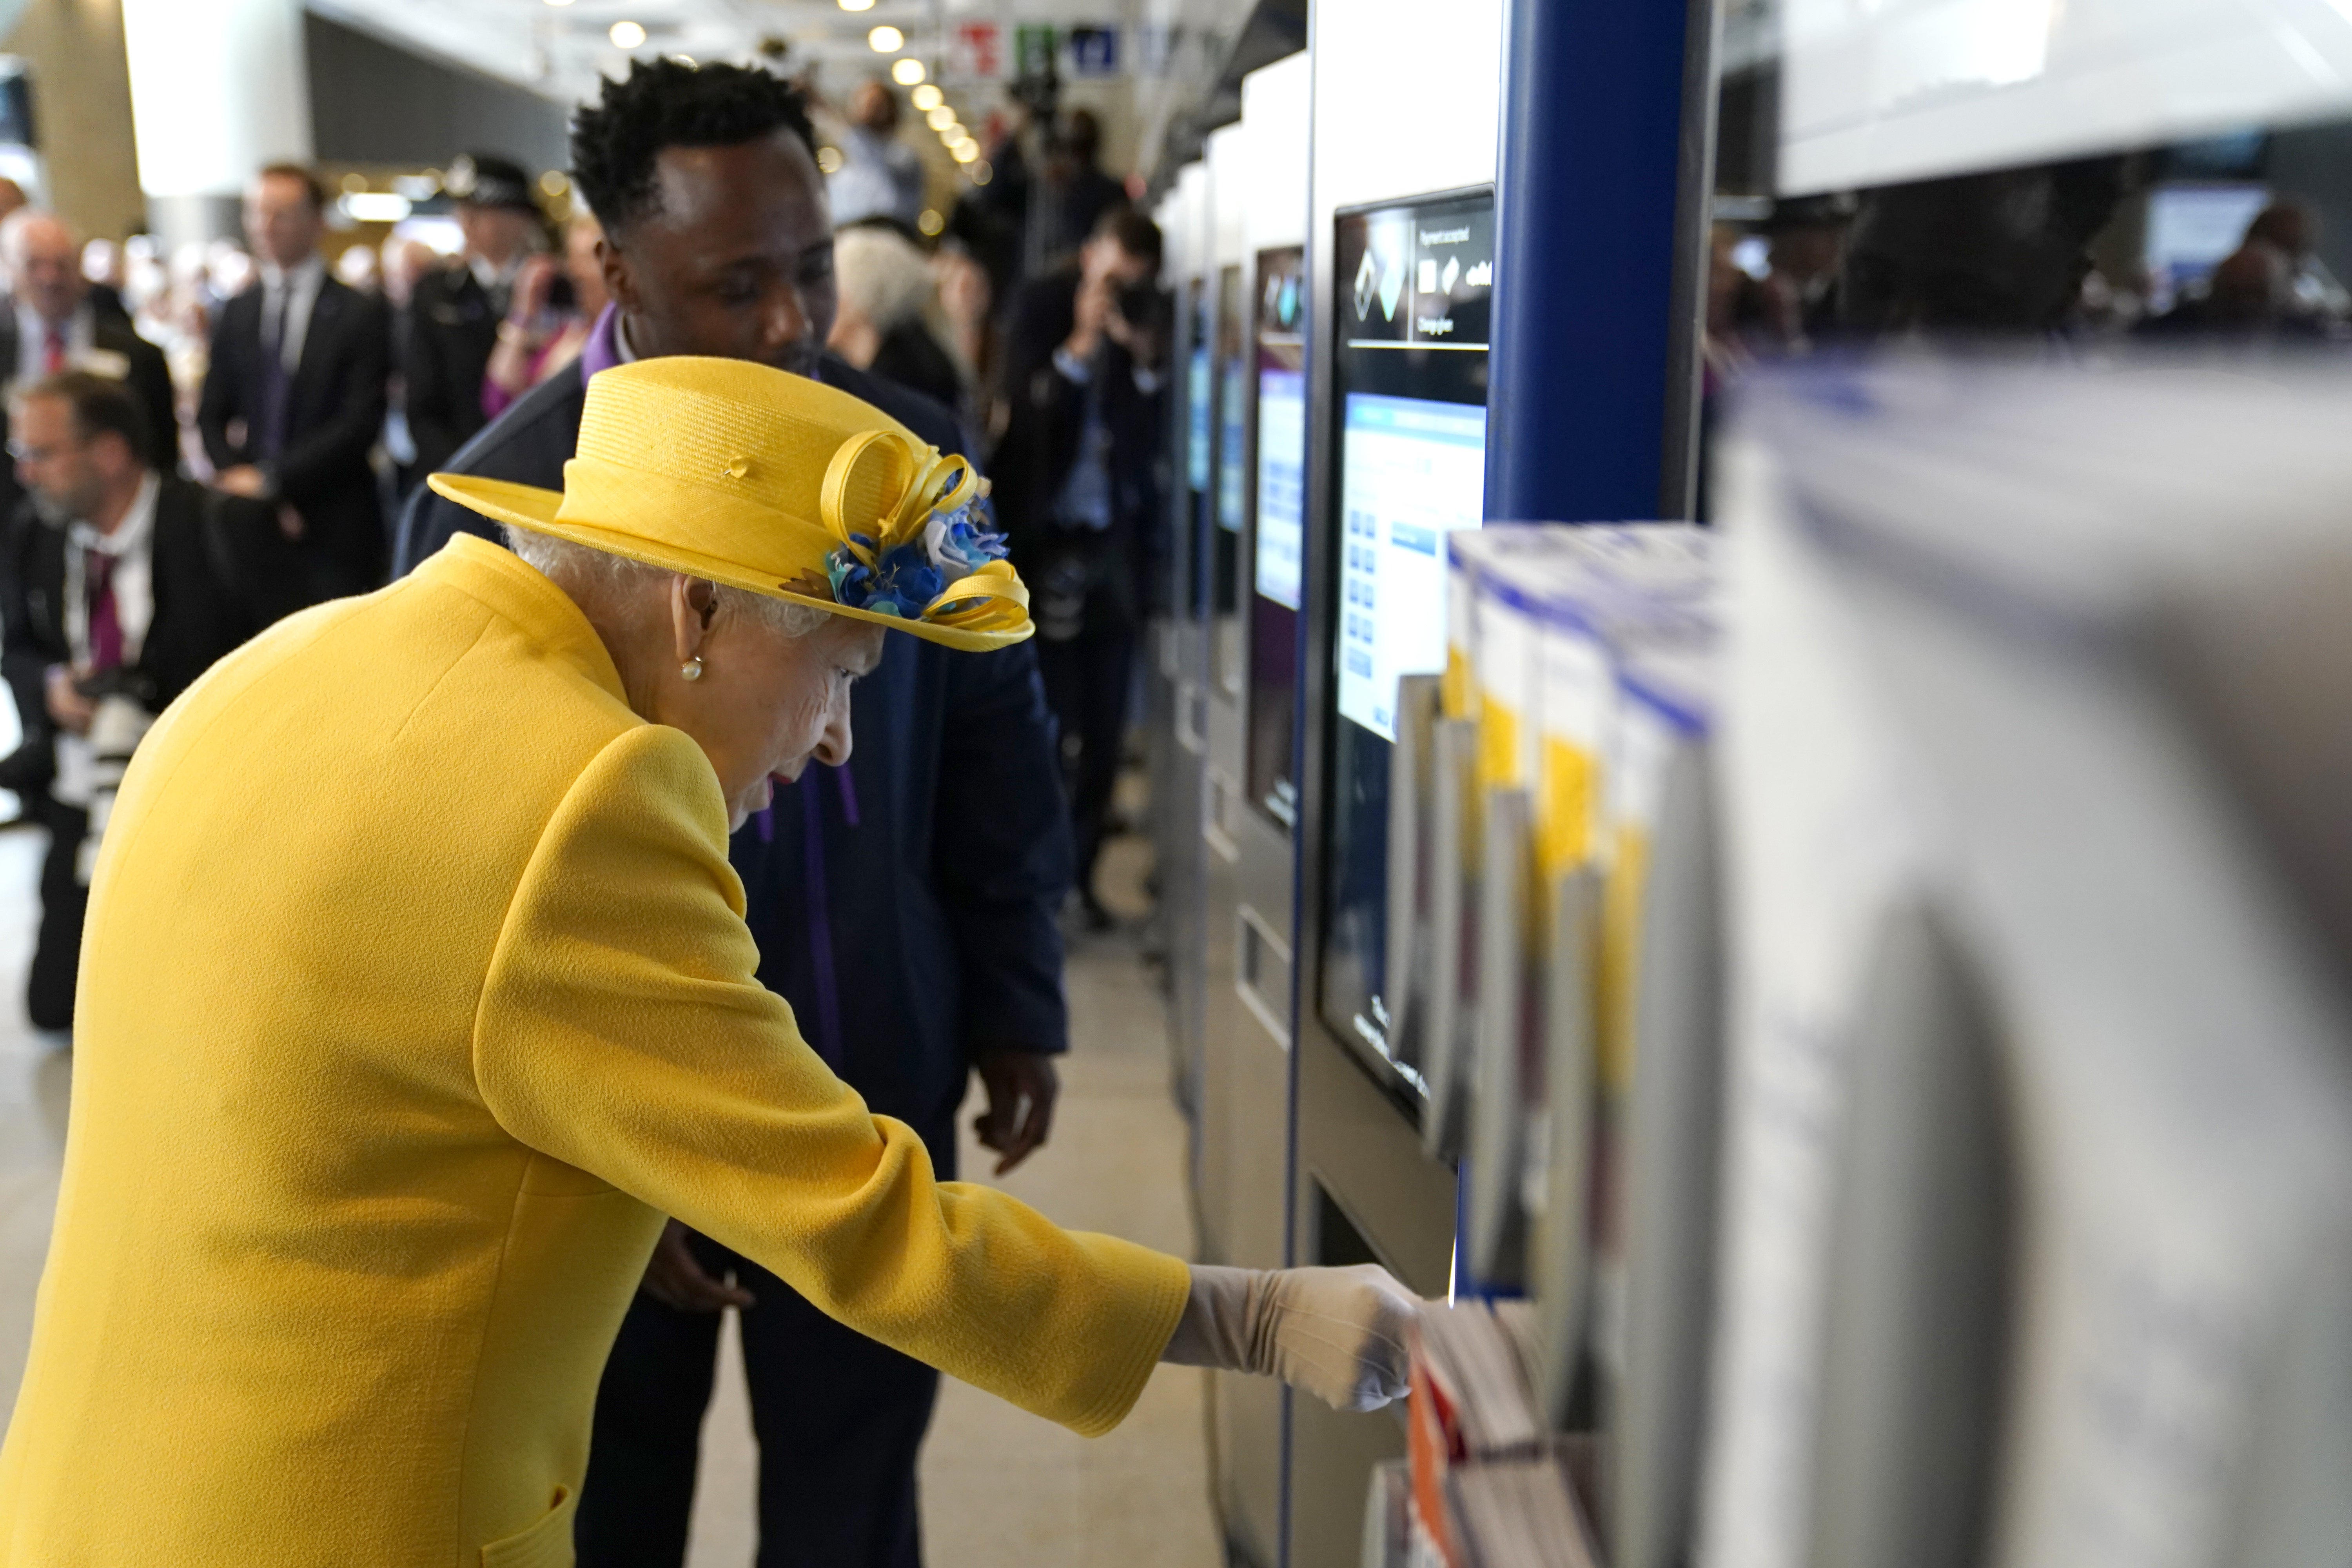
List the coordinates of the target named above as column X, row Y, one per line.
column 766, row 703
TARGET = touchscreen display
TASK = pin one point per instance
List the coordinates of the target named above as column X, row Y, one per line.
column 1278, row 513
column 1408, row 387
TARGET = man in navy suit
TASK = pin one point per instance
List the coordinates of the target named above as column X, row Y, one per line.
column 294, row 398
column 905, row 903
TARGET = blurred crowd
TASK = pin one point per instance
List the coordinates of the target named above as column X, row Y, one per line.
column 279, row 402
column 2026, row 251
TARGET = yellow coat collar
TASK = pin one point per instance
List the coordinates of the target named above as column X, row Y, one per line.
column 519, row 592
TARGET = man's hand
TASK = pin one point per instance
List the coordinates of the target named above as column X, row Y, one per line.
column 290, row 523
column 67, row 705
column 245, row 479
column 1022, row 1087
column 676, row 1278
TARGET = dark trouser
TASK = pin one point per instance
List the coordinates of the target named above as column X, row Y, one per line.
column 839, row 1419
column 1087, row 686
column 57, row 951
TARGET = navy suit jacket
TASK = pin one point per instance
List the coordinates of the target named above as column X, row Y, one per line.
column 941, row 853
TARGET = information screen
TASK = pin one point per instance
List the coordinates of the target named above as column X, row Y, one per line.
column 1413, row 286
column 1200, row 443
column 1278, row 515
column 1229, row 506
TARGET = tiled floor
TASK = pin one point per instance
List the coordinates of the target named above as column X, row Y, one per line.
column 1000, row 1487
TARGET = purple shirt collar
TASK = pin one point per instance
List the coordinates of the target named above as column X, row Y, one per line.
column 604, row 349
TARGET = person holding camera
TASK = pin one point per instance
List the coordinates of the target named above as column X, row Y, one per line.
column 555, row 306
column 293, row 398
column 1076, row 491
column 118, row 585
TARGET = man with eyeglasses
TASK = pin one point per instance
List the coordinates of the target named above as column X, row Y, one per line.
column 118, row 585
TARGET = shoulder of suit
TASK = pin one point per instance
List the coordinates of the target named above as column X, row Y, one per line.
column 531, row 442
column 122, row 338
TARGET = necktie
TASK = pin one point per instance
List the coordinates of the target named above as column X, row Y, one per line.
column 105, row 622
column 53, row 352
column 276, row 385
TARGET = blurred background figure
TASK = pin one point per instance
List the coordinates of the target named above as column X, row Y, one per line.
column 456, row 311
column 405, row 263
column 1805, row 250
column 1076, row 489
column 356, row 269
column 966, row 320
column 293, row 400
column 882, row 326
column 118, row 585
column 1069, row 194
column 881, row 176
column 12, row 196
column 555, row 305
column 102, row 269
column 2294, row 228
column 54, row 326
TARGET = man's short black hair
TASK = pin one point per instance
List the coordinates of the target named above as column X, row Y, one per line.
column 311, row 189
column 100, row 406
column 663, row 104
column 1137, row 235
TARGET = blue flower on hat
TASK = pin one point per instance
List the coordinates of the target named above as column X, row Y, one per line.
column 907, row 579
column 961, row 542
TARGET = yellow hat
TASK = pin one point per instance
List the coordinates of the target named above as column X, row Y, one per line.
column 772, row 482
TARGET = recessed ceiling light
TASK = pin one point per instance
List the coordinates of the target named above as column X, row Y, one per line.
column 965, row 151
column 885, row 40
column 928, row 97
column 858, row 4
column 939, row 119
column 558, row 2
column 627, row 35
column 908, row 72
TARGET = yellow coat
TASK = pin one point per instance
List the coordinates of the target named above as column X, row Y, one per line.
column 416, row 990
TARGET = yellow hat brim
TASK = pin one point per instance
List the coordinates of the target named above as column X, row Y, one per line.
column 529, row 506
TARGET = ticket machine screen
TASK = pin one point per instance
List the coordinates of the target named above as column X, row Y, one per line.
column 1279, row 545
column 1409, row 390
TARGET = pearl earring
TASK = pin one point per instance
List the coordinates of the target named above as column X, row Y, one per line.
column 692, row 668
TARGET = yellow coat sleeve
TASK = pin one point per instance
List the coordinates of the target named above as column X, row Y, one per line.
column 622, row 1031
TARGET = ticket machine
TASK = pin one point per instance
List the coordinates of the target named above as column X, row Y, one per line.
column 1400, row 276
column 1177, row 731
column 1259, row 173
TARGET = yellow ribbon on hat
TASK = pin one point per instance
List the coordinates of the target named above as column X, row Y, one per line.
column 991, row 597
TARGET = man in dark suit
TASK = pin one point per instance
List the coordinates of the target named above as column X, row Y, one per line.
column 294, row 398
column 457, row 312
column 118, row 586
column 54, row 327
column 1075, row 489
column 904, row 903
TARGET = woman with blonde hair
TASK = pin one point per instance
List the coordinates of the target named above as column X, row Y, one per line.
column 416, row 991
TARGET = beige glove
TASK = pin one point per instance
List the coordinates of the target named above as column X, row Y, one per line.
column 1338, row 1333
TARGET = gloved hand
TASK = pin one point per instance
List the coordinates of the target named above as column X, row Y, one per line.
column 1341, row 1334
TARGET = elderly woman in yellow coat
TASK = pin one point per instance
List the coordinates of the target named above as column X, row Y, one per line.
column 416, row 991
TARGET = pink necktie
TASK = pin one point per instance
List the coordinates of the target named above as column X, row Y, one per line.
column 105, row 624
column 53, row 357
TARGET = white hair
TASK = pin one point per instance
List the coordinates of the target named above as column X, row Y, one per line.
column 582, row 571
column 882, row 276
